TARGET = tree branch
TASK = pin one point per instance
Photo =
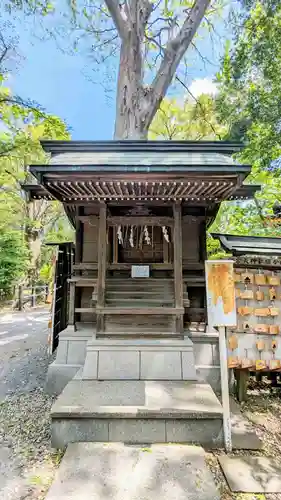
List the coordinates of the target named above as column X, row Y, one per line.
column 115, row 12
column 173, row 54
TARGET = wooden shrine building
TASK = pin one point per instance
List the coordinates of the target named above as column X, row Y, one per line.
column 137, row 292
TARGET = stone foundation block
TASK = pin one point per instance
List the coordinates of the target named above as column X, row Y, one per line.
column 162, row 365
column 73, row 430
column 137, row 431
column 207, row 432
column 116, row 365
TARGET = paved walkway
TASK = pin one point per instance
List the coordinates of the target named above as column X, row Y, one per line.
column 24, row 408
column 118, row 472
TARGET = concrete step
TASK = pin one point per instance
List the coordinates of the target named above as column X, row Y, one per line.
column 117, row 472
column 137, row 411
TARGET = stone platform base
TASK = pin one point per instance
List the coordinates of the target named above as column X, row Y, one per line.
column 137, row 412
column 139, row 359
column 58, row 377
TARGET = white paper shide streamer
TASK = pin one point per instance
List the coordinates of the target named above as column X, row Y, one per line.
column 165, row 233
column 120, row 235
column 146, row 236
column 131, row 239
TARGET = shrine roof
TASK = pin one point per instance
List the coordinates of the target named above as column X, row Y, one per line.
column 199, row 172
column 242, row 245
column 144, row 160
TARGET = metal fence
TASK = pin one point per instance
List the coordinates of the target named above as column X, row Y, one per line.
column 18, row 297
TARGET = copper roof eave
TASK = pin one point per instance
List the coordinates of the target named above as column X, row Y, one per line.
column 57, row 147
column 246, row 191
column 37, row 191
column 48, row 172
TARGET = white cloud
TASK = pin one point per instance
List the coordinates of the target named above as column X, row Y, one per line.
column 203, row 86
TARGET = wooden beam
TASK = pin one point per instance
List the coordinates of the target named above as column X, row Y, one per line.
column 194, row 266
column 92, row 219
column 140, row 221
column 101, row 264
column 178, row 265
column 85, row 309
column 140, row 310
column 85, row 266
column 83, row 282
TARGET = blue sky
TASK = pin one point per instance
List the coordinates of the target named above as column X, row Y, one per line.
column 57, row 81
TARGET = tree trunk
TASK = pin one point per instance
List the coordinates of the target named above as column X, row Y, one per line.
column 34, row 243
column 137, row 104
column 129, row 122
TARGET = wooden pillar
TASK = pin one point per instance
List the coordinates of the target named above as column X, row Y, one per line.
column 79, row 237
column 102, row 254
column 178, row 265
column 115, row 245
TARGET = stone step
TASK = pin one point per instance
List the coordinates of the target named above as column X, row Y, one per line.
column 137, row 411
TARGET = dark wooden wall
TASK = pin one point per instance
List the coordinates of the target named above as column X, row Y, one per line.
column 191, row 240
column 90, row 241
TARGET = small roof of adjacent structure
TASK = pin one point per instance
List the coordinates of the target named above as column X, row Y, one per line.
column 255, row 245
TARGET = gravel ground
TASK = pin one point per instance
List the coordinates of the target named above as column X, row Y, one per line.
column 27, row 463
column 263, row 409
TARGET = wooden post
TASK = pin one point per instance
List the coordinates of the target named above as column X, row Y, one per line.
column 33, row 296
column 242, row 378
column 71, row 307
column 79, row 238
column 165, row 251
column 224, row 389
column 178, row 265
column 115, row 245
column 46, row 293
column 20, row 297
column 101, row 266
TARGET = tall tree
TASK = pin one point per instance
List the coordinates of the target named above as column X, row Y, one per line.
column 23, row 124
column 249, row 103
column 150, row 40
column 249, row 83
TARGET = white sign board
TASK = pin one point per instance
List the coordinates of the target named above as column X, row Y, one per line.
column 140, row 271
column 220, row 290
